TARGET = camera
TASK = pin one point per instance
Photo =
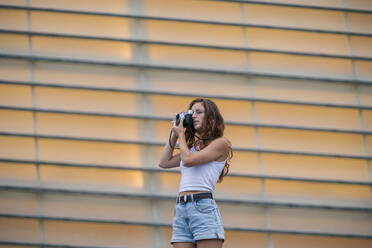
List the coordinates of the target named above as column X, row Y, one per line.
column 187, row 121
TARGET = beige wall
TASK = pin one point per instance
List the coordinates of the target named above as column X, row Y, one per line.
column 85, row 108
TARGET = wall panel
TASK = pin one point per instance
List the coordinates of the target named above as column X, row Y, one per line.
column 187, row 83
column 363, row 69
column 72, row 48
column 13, row 19
column 245, row 162
column 89, row 152
column 14, row 2
column 92, row 179
column 196, row 33
column 311, row 192
column 239, row 215
column 304, row 91
column 325, row 3
column 85, row 75
column 320, row 220
column 369, row 144
column 358, row 4
column 315, row 167
column 309, row 116
column 15, row 95
column 88, row 126
column 312, row 141
column 218, row 11
column 112, row 208
column 87, row 100
column 19, row 174
column 239, row 188
column 19, row 202
column 83, row 170
column 294, row 17
column 291, row 241
column 297, row 41
column 359, row 22
column 362, row 46
column 166, row 183
column 196, row 57
column 91, row 234
column 365, row 93
column 11, row 43
column 112, row 6
column 14, row 70
column 79, row 24
column 17, row 147
column 367, row 119
column 300, row 65
column 20, row 230
column 16, row 121
column 168, row 106
column 243, row 137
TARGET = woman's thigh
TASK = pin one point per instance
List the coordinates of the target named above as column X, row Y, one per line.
column 183, row 245
column 209, row 243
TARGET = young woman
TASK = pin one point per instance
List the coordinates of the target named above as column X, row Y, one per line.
column 204, row 160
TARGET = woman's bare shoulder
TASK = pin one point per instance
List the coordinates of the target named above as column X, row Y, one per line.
column 222, row 142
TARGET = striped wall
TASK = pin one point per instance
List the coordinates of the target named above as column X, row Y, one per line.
column 88, row 89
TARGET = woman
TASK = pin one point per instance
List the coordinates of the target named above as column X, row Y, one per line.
column 204, row 159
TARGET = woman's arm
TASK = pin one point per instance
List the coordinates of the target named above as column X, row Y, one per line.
column 167, row 159
column 217, row 149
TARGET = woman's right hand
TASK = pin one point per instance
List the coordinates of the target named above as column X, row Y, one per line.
column 178, row 129
column 174, row 136
column 172, row 128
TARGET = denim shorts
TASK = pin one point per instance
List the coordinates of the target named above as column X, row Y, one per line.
column 197, row 220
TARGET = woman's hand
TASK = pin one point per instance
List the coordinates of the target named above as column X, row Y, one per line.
column 178, row 130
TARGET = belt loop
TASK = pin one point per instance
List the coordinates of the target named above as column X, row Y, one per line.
column 185, row 198
column 192, row 197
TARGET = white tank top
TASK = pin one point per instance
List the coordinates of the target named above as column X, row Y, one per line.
column 200, row 177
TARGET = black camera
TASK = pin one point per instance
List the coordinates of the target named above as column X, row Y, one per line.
column 187, row 121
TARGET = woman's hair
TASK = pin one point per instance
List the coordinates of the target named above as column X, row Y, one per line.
column 212, row 128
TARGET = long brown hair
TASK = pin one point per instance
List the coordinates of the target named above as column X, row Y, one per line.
column 213, row 127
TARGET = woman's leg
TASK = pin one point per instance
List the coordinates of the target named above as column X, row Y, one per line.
column 209, row 243
column 183, row 245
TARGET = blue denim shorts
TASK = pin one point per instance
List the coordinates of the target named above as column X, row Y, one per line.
column 197, row 220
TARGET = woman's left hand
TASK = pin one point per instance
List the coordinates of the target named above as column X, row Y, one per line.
column 178, row 129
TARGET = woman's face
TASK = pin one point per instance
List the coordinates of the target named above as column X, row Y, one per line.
column 198, row 115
